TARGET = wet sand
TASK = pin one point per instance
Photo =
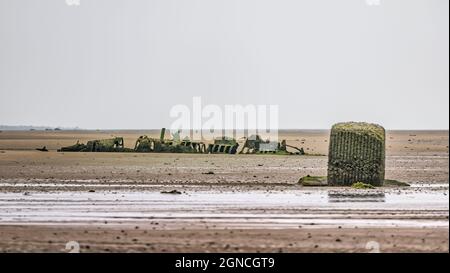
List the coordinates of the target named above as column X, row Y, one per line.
column 112, row 201
column 121, row 239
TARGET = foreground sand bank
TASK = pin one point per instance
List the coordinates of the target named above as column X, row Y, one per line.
column 111, row 202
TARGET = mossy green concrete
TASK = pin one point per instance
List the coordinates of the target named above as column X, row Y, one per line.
column 356, row 154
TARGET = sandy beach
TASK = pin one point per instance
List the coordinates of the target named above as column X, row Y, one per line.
column 112, row 202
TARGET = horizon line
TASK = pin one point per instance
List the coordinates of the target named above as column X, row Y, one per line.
column 76, row 128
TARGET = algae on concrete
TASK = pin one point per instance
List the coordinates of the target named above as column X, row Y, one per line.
column 356, row 154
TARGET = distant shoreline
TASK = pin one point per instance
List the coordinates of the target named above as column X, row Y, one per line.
column 51, row 129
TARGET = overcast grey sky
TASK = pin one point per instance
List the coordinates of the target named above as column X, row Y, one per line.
column 124, row 64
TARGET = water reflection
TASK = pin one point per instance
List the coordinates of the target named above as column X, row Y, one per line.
column 356, row 196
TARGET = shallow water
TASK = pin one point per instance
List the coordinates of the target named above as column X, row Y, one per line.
column 225, row 209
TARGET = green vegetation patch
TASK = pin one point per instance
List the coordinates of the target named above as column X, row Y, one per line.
column 313, row 181
column 362, row 185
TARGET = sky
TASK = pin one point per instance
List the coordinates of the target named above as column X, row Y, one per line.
column 123, row 64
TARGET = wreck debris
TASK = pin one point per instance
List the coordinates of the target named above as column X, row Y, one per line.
column 104, row 145
column 356, row 154
column 223, row 145
column 256, row 145
column 74, row 148
column 171, row 192
column 174, row 145
column 251, row 145
column 43, row 149
column 144, row 144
